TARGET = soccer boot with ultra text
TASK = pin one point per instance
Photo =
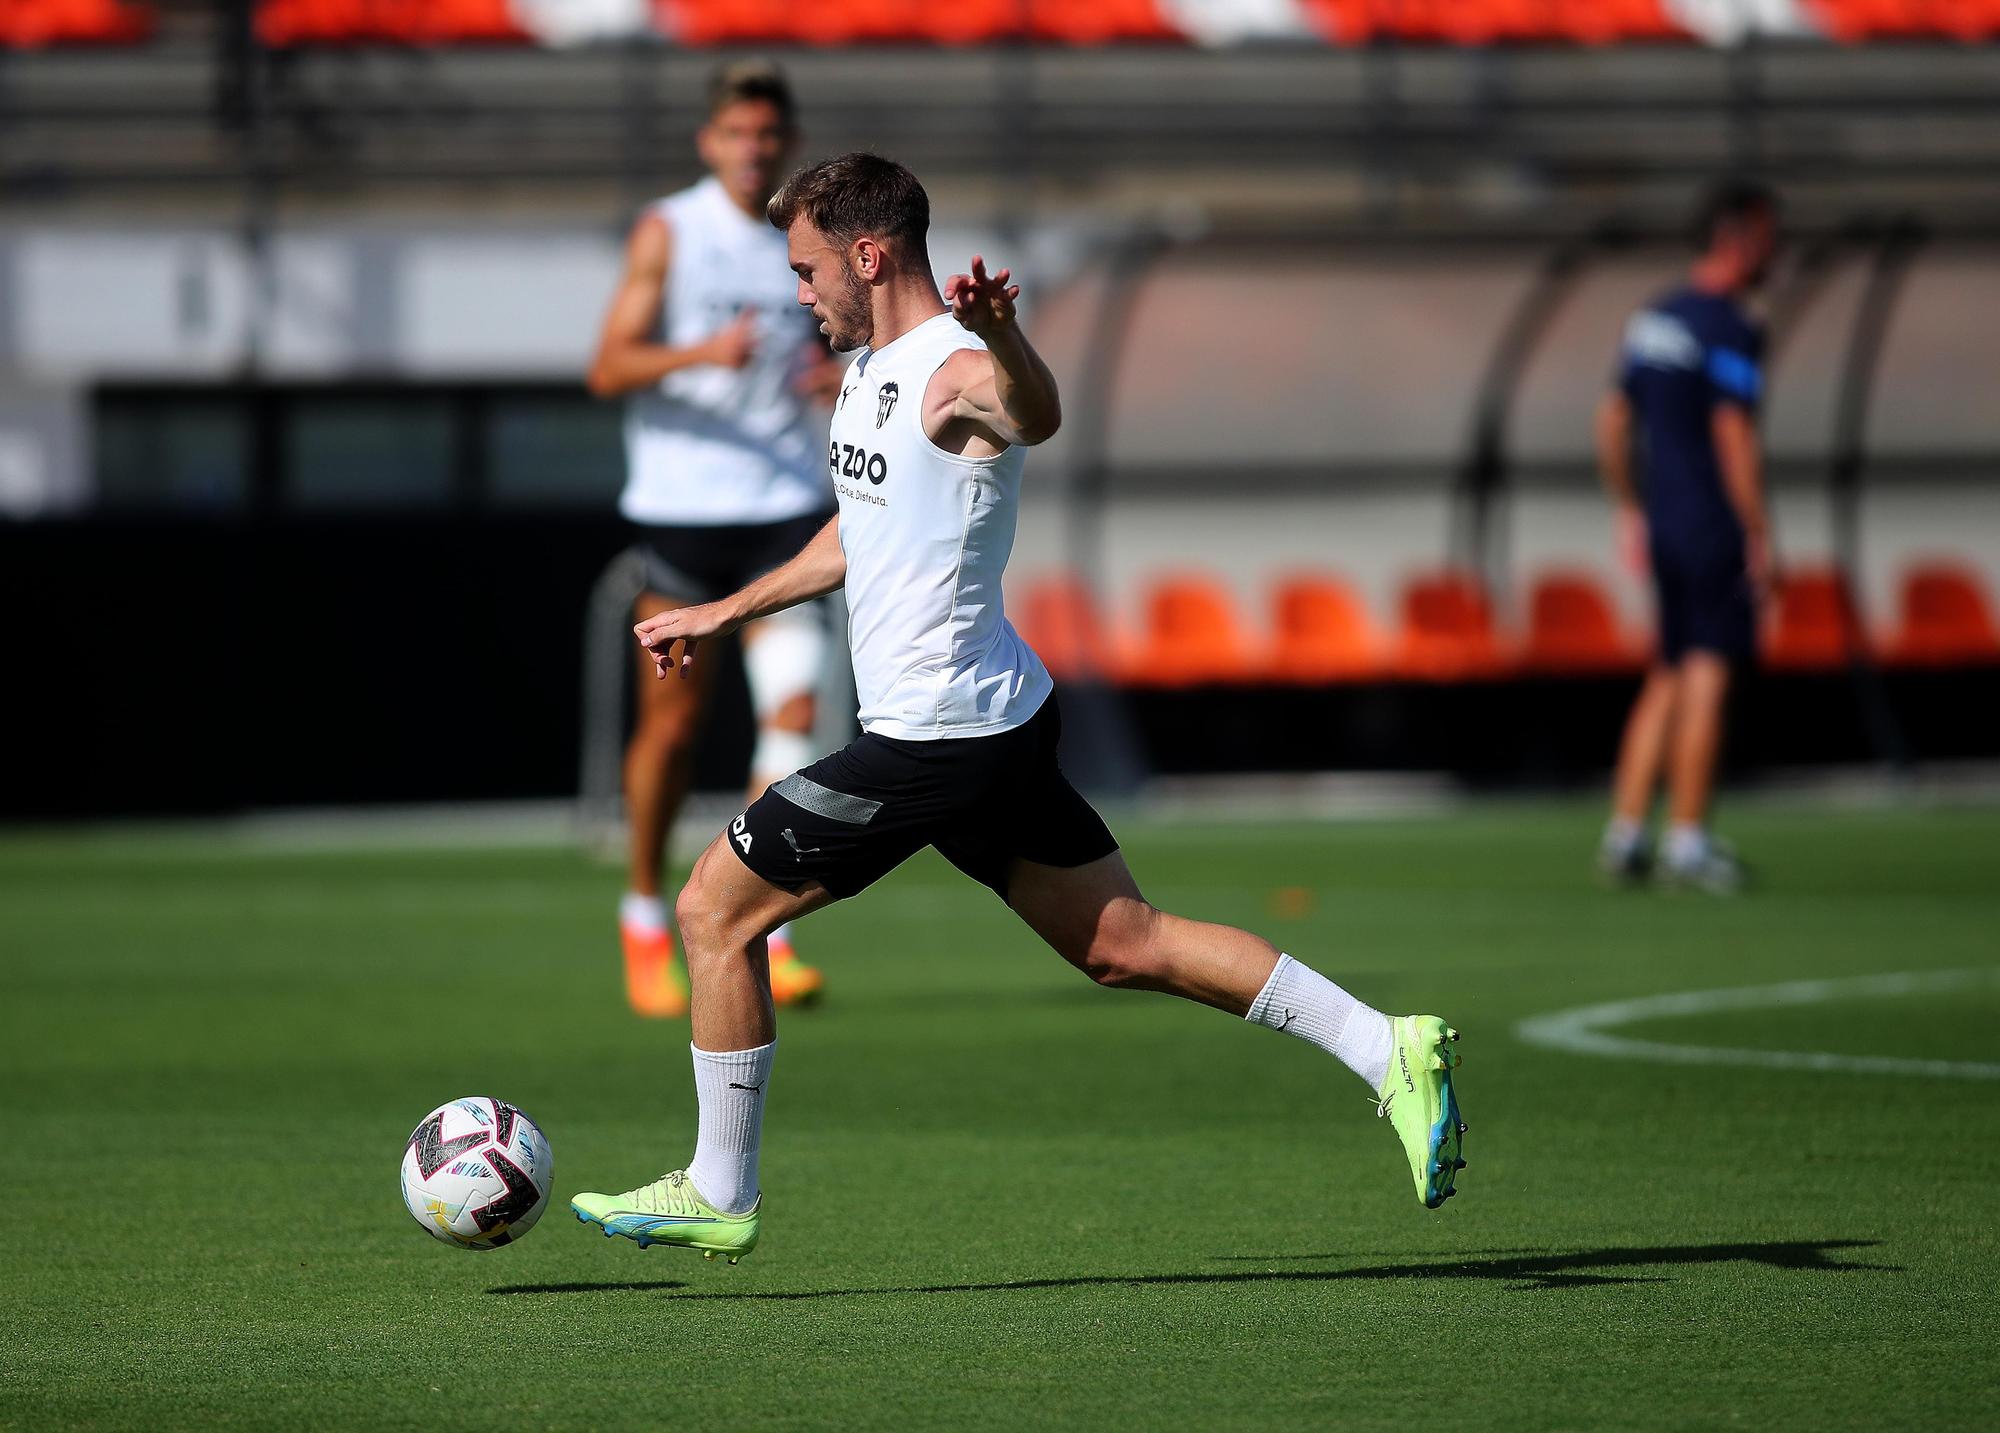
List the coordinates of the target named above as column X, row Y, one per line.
column 1416, row 1098
column 671, row 1211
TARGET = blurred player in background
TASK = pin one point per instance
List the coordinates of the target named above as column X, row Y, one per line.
column 724, row 378
column 1691, row 374
column 960, row 723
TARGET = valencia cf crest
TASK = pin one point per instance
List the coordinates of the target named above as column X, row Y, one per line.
column 885, row 403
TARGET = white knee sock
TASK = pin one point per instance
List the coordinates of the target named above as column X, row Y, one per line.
column 645, row 913
column 730, row 1086
column 1300, row 1001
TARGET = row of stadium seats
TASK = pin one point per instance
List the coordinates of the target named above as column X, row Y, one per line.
column 29, row 23
column 1321, row 632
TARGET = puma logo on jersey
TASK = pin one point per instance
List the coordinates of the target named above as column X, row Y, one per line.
column 792, row 840
column 739, row 830
column 841, row 402
column 885, row 403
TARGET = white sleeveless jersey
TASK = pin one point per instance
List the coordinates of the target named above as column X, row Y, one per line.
column 714, row 445
column 927, row 535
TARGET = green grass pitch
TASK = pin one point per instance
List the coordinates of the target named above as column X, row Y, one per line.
column 997, row 1196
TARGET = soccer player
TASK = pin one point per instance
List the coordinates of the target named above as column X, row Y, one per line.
column 724, row 379
column 1690, row 379
column 960, row 722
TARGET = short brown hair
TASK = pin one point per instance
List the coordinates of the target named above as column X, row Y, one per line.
column 857, row 194
column 743, row 80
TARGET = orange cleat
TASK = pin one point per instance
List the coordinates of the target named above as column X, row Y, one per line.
column 793, row 982
column 654, row 983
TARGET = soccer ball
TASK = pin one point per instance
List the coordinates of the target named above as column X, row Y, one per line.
column 476, row 1173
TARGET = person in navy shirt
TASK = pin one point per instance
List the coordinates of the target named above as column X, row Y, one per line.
column 1685, row 405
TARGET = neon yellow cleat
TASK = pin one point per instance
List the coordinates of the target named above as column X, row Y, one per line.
column 669, row 1211
column 1417, row 1099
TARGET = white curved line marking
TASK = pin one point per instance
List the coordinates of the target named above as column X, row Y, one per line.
column 1581, row 1030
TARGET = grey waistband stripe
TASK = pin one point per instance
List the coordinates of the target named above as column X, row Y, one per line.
column 808, row 795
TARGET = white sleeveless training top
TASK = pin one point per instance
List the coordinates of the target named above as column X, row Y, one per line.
column 927, row 535
column 714, row 445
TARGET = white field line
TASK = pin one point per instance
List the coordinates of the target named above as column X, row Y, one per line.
column 1582, row 1030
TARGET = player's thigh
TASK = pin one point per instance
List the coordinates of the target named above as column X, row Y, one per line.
column 1092, row 915
column 726, row 899
column 845, row 821
column 673, row 700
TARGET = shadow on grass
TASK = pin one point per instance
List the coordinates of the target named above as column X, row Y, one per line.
column 634, row 1286
column 1578, row 1269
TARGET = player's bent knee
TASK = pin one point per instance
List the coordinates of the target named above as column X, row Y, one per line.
column 712, row 923
column 1124, row 951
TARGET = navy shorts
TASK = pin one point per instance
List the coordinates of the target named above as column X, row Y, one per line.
column 850, row 818
column 1704, row 601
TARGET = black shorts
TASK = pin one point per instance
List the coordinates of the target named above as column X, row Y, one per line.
column 1705, row 602
column 701, row 564
column 850, row 818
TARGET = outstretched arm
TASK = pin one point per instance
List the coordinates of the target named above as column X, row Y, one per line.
column 1010, row 391
column 819, row 568
column 627, row 358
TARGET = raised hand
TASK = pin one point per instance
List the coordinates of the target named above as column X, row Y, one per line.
column 983, row 304
column 686, row 625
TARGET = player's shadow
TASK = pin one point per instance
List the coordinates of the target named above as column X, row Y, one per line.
column 1528, row 1271
column 1521, row 1271
column 630, row 1286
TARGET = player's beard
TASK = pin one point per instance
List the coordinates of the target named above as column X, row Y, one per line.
column 849, row 325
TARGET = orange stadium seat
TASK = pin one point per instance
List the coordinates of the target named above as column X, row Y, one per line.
column 1190, row 635
column 1573, row 628
column 400, row 22
column 30, row 24
column 1059, row 618
column 1322, row 632
column 1813, row 622
column 971, row 22
column 1857, row 21
column 1479, row 22
column 1448, row 632
column 1096, row 22
column 1947, row 619
column 713, row 22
